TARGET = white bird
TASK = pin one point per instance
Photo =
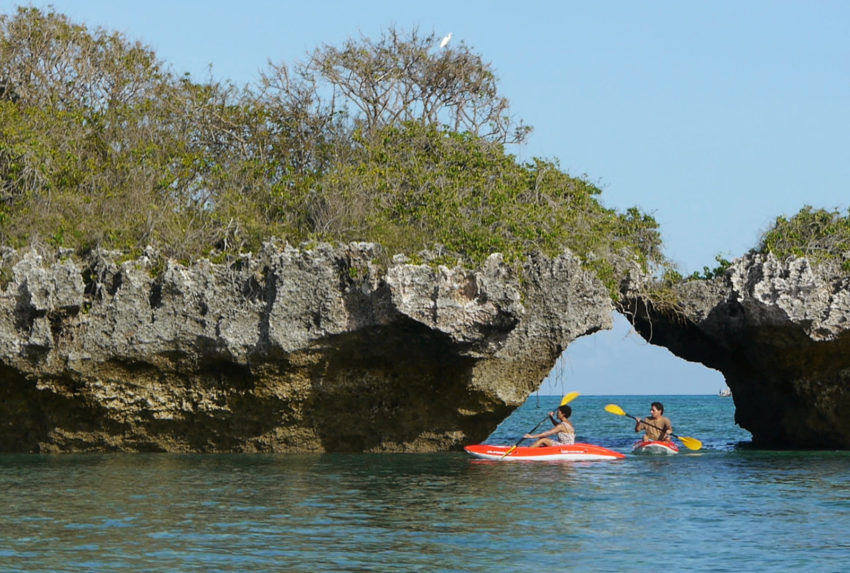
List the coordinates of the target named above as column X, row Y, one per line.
column 445, row 41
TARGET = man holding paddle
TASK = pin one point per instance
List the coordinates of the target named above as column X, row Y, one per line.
column 690, row 443
column 657, row 427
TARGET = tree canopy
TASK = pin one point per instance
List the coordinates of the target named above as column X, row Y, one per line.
column 388, row 140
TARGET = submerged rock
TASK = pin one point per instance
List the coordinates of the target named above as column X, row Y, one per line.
column 291, row 350
column 779, row 332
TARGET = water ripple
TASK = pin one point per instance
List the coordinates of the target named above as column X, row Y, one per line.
column 723, row 508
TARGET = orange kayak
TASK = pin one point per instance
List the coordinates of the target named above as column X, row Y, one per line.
column 575, row 452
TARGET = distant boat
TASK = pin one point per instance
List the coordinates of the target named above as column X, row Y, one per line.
column 725, row 393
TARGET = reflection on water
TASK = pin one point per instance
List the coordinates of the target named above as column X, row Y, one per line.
column 719, row 509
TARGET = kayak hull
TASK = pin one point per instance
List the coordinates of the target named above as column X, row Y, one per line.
column 655, row 448
column 576, row 452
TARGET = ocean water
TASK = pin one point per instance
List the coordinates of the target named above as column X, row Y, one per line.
column 726, row 507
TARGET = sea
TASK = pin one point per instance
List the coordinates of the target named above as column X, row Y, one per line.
column 725, row 507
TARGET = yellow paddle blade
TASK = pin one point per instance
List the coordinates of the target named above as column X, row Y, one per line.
column 569, row 398
column 690, row 443
column 615, row 409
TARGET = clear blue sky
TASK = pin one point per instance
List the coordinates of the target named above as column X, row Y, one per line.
column 715, row 117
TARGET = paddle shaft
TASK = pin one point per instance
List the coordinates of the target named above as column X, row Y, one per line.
column 512, row 448
column 534, row 429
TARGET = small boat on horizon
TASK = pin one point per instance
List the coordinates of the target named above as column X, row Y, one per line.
column 725, row 393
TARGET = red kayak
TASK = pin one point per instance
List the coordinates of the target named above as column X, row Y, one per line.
column 575, row 452
column 655, row 448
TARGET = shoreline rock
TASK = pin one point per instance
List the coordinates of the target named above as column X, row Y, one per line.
column 291, row 350
column 334, row 349
column 779, row 332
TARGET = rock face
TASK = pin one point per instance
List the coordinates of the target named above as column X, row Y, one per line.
column 780, row 334
column 290, row 350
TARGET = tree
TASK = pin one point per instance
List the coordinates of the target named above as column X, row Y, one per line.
column 101, row 145
column 415, row 185
column 400, row 77
column 391, row 141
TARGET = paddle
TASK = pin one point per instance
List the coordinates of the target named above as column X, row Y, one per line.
column 690, row 443
column 565, row 400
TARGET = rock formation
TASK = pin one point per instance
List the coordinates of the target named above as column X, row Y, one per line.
column 340, row 349
column 325, row 349
column 779, row 332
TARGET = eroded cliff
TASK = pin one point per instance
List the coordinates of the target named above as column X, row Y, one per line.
column 779, row 332
column 326, row 349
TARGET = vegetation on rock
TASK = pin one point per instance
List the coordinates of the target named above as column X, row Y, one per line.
column 388, row 140
column 816, row 234
column 819, row 235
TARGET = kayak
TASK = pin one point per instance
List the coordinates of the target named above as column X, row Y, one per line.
column 655, row 448
column 576, row 452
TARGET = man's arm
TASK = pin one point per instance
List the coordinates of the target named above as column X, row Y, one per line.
column 668, row 430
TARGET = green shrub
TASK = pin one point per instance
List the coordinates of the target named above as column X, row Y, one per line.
column 816, row 234
column 381, row 140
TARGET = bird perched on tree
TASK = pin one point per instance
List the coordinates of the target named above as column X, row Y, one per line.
column 445, row 41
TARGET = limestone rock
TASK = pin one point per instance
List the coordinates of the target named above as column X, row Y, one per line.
column 779, row 332
column 320, row 349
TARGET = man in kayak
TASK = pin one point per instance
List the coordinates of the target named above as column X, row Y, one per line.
column 657, row 426
column 566, row 434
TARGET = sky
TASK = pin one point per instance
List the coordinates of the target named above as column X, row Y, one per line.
column 714, row 117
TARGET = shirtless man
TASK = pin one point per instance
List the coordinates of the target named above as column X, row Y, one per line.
column 657, row 427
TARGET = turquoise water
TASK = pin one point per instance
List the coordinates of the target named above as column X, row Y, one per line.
column 724, row 508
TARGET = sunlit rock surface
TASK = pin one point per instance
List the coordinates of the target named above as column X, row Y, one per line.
column 326, row 349
column 778, row 332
